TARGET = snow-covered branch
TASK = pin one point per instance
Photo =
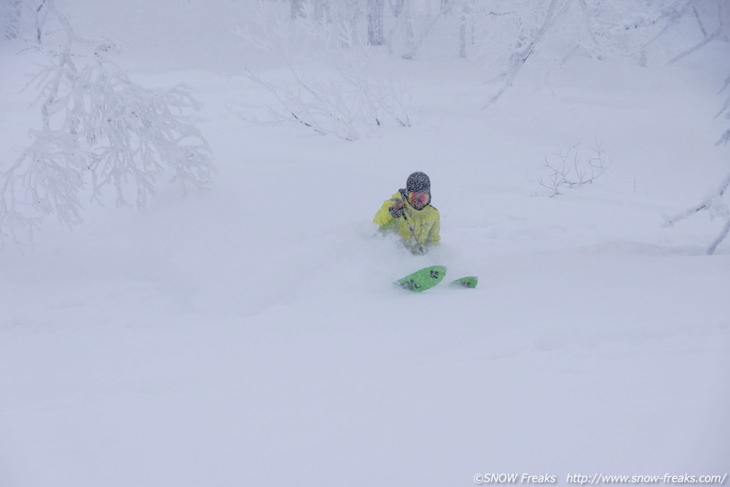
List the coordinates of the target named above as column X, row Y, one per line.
column 715, row 205
column 519, row 57
column 720, row 32
column 99, row 130
column 345, row 107
column 348, row 101
column 725, row 111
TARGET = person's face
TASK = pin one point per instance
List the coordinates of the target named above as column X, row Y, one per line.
column 419, row 200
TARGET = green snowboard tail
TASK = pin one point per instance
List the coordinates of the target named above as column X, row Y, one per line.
column 424, row 279
column 469, row 281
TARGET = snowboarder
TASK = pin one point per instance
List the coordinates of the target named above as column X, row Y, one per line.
column 409, row 214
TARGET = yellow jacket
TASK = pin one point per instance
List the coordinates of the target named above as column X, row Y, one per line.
column 426, row 223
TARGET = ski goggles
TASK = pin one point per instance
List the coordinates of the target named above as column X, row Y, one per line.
column 419, row 200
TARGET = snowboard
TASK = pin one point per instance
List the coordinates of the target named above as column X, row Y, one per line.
column 429, row 277
column 469, row 282
column 423, row 279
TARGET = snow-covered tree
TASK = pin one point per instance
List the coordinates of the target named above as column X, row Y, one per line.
column 714, row 203
column 99, row 130
column 713, row 19
column 354, row 99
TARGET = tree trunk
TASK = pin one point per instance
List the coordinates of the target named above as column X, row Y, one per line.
column 375, row 23
column 464, row 25
column 297, row 8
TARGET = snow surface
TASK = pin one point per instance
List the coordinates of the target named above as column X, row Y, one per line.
column 249, row 335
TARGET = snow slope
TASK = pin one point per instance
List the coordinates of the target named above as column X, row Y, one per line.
column 249, row 335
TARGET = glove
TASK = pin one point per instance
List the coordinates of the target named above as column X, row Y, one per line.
column 397, row 209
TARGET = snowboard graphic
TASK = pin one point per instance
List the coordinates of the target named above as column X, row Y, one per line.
column 469, row 281
column 423, row 279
